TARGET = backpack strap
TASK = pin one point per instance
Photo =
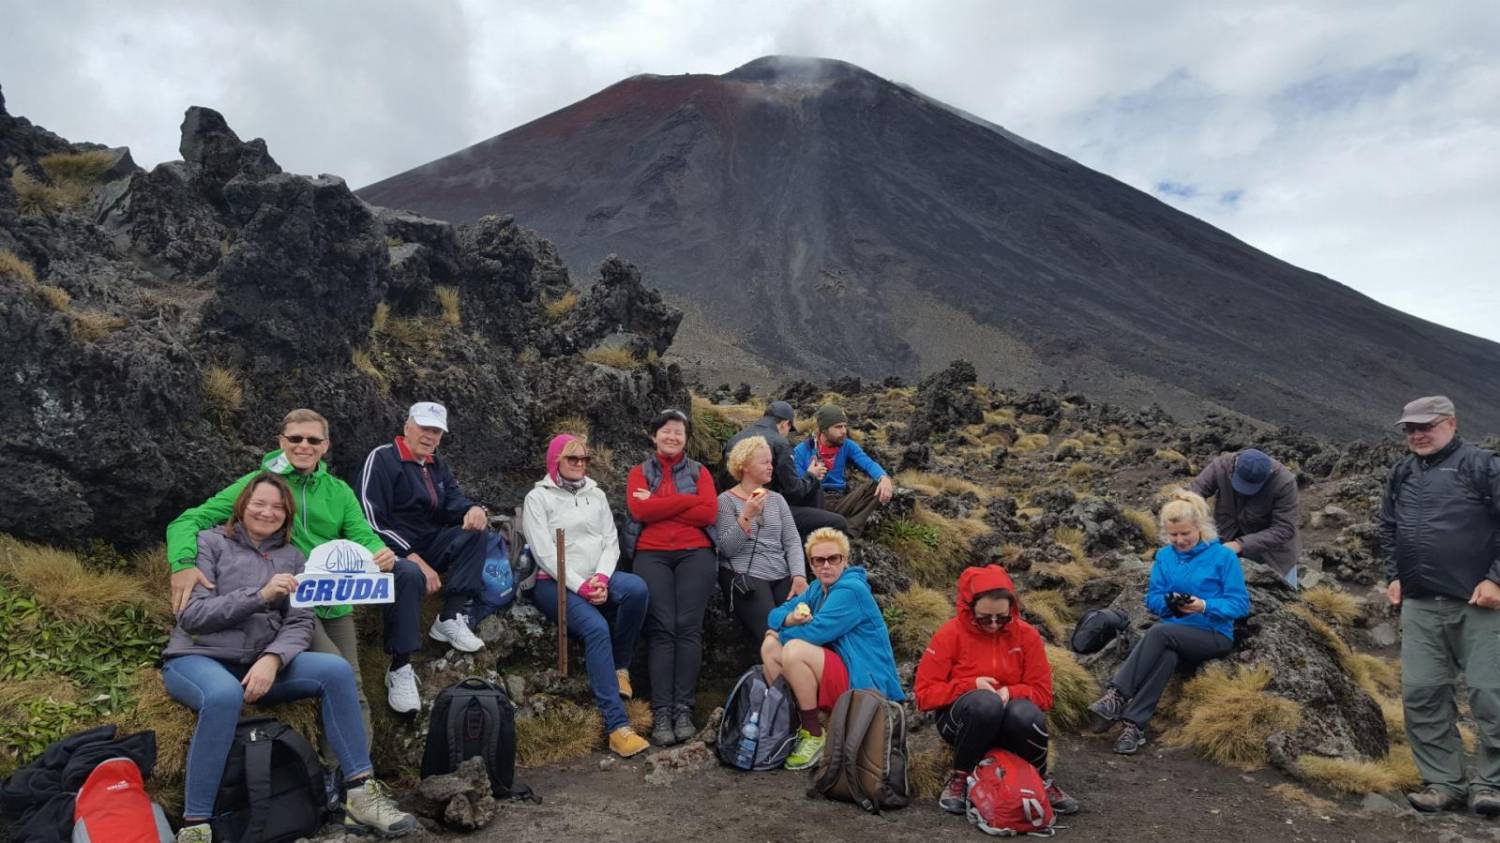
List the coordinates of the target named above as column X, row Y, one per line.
column 258, row 781
column 312, row 766
column 826, row 774
column 862, row 712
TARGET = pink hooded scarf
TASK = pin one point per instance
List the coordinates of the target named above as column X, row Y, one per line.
column 554, row 454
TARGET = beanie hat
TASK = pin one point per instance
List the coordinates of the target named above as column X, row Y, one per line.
column 829, row 415
column 554, row 453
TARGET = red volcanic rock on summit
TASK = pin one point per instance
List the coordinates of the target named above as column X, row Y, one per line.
column 823, row 221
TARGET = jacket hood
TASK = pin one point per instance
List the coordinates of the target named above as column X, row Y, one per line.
column 554, row 452
column 277, row 462
column 978, row 580
column 589, row 484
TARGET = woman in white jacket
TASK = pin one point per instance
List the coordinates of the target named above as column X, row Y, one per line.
column 606, row 608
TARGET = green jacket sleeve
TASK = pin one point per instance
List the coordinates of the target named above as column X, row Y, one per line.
column 182, row 533
column 353, row 525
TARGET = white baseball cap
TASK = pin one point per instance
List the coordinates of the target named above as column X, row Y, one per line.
column 429, row 414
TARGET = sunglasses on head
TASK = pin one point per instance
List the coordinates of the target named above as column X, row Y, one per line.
column 826, row 561
column 298, row 440
column 991, row 620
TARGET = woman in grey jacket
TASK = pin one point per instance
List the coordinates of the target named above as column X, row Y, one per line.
column 241, row 641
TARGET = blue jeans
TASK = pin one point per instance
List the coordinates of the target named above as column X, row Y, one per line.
column 212, row 688
column 604, row 650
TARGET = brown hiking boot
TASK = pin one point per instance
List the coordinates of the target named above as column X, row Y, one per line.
column 1485, row 801
column 624, row 742
column 1431, row 799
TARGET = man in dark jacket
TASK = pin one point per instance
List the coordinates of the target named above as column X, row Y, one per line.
column 1255, row 508
column 1440, row 535
column 803, row 490
column 413, row 502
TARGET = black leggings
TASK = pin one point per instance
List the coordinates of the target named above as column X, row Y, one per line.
column 1150, row 666
column 680, row 583
column 980, row 721
column 752, row 607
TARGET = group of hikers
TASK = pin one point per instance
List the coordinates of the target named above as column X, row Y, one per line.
column 776, row 544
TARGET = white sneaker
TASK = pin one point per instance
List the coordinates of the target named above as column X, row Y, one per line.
column 401, row 690
column 456, row 632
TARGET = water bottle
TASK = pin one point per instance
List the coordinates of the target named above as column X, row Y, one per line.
column 745, row 760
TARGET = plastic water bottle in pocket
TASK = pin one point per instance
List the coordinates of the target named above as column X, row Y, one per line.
column 749, row 735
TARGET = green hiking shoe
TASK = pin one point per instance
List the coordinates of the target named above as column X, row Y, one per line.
column 807, row 751
column 195, row 833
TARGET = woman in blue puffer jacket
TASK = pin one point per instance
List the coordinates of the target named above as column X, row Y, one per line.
column 1198, row 591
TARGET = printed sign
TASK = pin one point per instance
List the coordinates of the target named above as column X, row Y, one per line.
column 342, row 573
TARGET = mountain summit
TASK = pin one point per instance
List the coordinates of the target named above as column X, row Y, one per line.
column 814, row 218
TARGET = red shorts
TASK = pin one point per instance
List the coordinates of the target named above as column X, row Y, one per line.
column 835, row 680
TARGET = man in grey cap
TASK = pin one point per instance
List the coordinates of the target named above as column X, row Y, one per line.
column 1255, row 508
column 1440, row 536
column 830, row 445
column 802, row 489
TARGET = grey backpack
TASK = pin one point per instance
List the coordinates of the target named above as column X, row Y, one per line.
column 759, row 726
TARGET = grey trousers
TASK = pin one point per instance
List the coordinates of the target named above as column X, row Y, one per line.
column 1440, row 638
column 339, row 637
column 1161, row 651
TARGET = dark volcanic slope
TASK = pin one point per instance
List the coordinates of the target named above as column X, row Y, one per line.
column 829, row 221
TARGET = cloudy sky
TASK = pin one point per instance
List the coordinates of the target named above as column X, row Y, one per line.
column 1358, row 139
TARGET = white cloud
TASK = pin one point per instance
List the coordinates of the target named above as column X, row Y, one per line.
column 1360, row 135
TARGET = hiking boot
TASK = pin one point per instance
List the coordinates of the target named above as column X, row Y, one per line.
column 1431, row 799
column 1062, row 803
column 196, row 833
column 807, row 751
column 1131, row 739
column 401, row 690
column 683, row 726
column 622, row 678
column 370, row 806
column 1485, row 801
column 1104, row 711
column 456, row 632
column 663, row 732
column 624, row 742
column 955, row 798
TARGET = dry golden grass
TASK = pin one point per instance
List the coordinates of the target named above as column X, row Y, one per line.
column 1075, row 574
column 1029, row 513
column 1393, row 712
column 1030, row 442
column 1001, row 416
column 709, row 431
column 561, row 306
column 410, row 331
column 1073, row 688
column 61, row 584
column 1080, row 470
column 222, row 389
column 55, row 297
column 968, row 527
column 930, row 484
column 447, row 297
column 364, row 363
column 1145, row 521
column 1379, row 677
column 639, row 714
column 1396, row 771
column 35, row 197
column 1072, row 539
column 741, row 415
column 567, row 730
column 94, row 325
column 618, row 358
column 913, row 617
column 1227, row 718
column 12, row 266
column 381, row 318
column 927, row 771
column 1071, row 442
column 576, row 425
column 1297, row 796
column 1050, row 609
column 1340, row 607
column 1170, row 455
column 77, row 167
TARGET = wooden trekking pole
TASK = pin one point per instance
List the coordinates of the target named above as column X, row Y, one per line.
column 562, row 604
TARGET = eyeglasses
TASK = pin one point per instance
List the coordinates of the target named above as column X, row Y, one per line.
column 1413, row 427
column 298, row 440
column 826, row 561
column 991, row 620
column 577, row 460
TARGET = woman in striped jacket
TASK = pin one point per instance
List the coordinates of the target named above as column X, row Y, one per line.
column 760, row 554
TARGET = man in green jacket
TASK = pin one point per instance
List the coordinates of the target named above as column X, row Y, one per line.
column 327, row 509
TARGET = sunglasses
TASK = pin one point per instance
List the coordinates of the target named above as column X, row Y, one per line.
column 826, row 561
column 991, row 620
column 577, row 460
column 1413, row 427
column 298, row 440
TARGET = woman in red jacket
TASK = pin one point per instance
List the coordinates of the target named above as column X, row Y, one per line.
column 985, row 674
column 669, row 534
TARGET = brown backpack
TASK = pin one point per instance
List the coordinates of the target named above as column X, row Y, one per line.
column 864, row 758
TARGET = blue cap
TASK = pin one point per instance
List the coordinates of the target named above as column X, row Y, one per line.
column 780, row 410
column 1252, row 469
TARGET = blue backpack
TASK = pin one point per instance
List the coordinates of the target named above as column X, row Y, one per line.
column 499, row 580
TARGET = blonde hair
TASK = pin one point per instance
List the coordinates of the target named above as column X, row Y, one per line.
column 743, row 451
column 301, row 415
column 1187, row 507
column 578, row 446
column 827, row 534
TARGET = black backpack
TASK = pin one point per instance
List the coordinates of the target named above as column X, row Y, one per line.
column 1097, row 628
column 772, row 709
column 274, row 787
column 472, row 717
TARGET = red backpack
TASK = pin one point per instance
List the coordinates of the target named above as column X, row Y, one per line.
column 113, row 807
column 1007, row 797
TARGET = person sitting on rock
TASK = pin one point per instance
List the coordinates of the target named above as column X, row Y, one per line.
column 240, row 641
column 1198, row 591
column 986, row 676
column 606, row 608
column 672, row 508
column 1255, row 508
column 760, row 555
column 830, row 445
column 413, row 501
column 802, row 489
column 329, row 510
column 828, row 640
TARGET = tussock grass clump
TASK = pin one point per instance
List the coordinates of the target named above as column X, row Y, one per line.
column 710, row 430
column 222, row 389
column 927, row 771
column 1050, row 610
column 77, row 167
column 1001, row 416
column 13, row 266
column 94, row 325
column 561, row 306
column 639, row 713
column 934, row 555
column 1171, row 455
column 618, row 358
column 1396, row 771
column 1072, row 539
column 566, row 730
column 1075, row 574
column 409, row 331
column 1379, row 677
column 1030, row 442
column 968, row 527
column 447, row 297
column 1228, row 717
column 364, row 363
column 927, row 483
column 1079, row 470
column 381, row 318
column 576, row 425
column 913, row 616
column 1331, row 604
column 55, row 297
column 1297, row 796
column 35, row 197
column 1145, row 522
column 60, row 584
column 1073, row 688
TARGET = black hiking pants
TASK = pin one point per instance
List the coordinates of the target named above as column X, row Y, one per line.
column 752, row 606
column 1162, row 650
column 980, row 721
column 680, row 583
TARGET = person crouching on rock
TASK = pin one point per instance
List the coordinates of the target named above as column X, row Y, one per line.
column 1198, row 591
column 242, row 642
column 828, row 640
column 605, row 607
column 985, row 674
column 760, row 553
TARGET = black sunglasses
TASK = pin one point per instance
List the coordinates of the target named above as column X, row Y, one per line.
column 991, row 620
column 298, row 440
column 1413, row 427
